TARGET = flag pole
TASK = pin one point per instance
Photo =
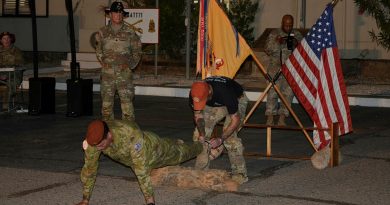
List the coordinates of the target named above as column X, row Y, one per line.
column 334, row 2
column 282, row 98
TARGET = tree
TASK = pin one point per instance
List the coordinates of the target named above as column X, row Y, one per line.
column 242, row 15
column 172, row 28
column 171, row 24
column 380, row 10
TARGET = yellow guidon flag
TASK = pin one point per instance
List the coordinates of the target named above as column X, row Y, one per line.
column 221, row 49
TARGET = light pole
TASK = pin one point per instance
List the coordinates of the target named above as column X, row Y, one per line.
column 188, row 37
column 155, row 52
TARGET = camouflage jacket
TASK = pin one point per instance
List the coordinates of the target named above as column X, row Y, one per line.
column 10, row 57
column 142, row 151
column 118, row 48
column 274, row 49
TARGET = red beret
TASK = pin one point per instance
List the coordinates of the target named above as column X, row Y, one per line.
column 95, row 132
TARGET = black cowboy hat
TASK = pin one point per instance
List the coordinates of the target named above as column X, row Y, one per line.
column 117, row 6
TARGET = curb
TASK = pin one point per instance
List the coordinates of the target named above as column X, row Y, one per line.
column 253, row 96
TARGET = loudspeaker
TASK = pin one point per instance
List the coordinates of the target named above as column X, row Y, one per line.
column 41, row 95
column 79, row 97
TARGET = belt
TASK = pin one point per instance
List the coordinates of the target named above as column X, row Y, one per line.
column 122, row 66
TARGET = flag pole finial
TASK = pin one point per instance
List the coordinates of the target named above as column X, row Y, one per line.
column 334, row 2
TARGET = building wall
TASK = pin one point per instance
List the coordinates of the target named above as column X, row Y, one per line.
column 92, row 17
column 52, row 30
column 351, row 28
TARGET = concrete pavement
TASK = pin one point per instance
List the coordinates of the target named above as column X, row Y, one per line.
column 41, row 158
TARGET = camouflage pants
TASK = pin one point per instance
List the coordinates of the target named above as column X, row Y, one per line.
column 163, row 152
column 272, row 105
column 212, row 115
column 117, row 79
column 169, row 152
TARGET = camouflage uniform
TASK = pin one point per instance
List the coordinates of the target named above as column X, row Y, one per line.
column 277, row 53
column 142, row 151
column 9, row 57
column 119, row 52
column 213, row 115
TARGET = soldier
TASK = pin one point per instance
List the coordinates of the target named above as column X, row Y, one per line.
column 279, row 45
column 10, row 56
column 125, row 142
column 118, row 48
column 214, row 99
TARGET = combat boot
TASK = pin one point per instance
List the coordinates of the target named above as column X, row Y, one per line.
column 270, row 120
column 281, row 121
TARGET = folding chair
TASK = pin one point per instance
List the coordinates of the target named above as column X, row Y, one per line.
column 17, row 93
column 13, row 87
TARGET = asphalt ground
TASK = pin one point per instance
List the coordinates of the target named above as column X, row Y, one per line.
column 41, row 158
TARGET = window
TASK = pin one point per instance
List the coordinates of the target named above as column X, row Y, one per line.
column 21, row 8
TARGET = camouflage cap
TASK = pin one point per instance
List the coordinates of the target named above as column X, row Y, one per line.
column 117, row 6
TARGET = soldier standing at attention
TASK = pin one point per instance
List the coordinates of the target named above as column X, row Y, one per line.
column 214, row 99
column 124, row 142
column 119, row 49
column 279, row 45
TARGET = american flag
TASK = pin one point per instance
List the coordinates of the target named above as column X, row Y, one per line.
column 314, row 73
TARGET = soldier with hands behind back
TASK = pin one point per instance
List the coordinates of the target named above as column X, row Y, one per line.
column 119, row 49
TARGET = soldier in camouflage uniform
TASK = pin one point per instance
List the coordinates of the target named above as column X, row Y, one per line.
column 214, row 99
column 10, row 56
column 124, row 142
column 119, row 49
column 279, row 45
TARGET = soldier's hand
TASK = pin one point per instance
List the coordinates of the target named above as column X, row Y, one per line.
column 216, row 142
column 280, row 40
column 83, row 202
column 201, row 139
